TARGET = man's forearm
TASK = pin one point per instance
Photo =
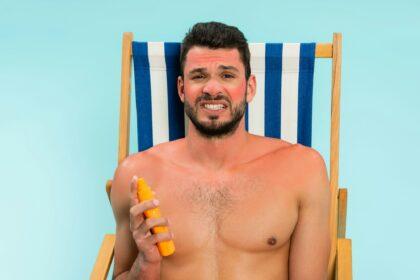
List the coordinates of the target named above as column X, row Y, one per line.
column 141, row 271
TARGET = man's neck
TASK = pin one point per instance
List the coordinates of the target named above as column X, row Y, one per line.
column 216, row 153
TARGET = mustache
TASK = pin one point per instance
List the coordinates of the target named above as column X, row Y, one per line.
column 208, row 97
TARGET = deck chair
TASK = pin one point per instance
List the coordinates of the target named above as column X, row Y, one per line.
column 281, row 108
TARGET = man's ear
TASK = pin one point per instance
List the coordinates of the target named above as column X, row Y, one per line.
column 251, row 88
column 180, row 86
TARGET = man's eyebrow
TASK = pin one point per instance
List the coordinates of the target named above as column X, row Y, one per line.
column 197, row 70
column 228, row 67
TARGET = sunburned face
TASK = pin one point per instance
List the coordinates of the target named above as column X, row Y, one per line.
column 214, row 90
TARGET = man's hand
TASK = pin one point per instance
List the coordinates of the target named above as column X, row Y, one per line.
column 140, row 228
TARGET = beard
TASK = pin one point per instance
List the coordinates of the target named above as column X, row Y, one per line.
column 215, row 128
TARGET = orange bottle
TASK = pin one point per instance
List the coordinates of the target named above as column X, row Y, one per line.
column 144, row 192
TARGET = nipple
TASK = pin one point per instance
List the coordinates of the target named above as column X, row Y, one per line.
column 271, row 241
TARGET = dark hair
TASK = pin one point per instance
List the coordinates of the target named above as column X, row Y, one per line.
column 216, row 35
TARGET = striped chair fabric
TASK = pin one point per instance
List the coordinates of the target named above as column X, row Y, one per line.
column 282, row 107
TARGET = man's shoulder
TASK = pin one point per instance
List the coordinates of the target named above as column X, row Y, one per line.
column 307, row 155
column 298, row 153
column 135, row 163
column 283, row 149
column 305, row 162
column 303, row 166
column 154, row 155
column 125, row 171
column 141, row 164
column 311, row 169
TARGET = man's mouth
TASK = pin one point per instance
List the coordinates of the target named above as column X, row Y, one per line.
column 214, row 107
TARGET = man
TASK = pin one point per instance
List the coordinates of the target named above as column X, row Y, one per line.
column 238, row 206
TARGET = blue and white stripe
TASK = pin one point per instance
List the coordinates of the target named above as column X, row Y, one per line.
column 160, row 113
column 282, row 107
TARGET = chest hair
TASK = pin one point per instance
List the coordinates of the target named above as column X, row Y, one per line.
column 213, row 200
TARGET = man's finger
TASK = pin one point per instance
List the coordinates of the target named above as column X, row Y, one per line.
column 133, row 191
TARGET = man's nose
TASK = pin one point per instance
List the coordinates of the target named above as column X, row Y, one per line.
column 213, row 87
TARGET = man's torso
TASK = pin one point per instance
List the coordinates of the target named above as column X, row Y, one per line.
column 233, row 223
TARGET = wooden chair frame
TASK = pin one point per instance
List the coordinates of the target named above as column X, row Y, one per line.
column 340, row 263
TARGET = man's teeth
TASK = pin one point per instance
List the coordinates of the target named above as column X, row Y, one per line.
column 214, row 106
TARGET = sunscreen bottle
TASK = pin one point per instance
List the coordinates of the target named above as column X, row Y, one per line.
column 144, row 192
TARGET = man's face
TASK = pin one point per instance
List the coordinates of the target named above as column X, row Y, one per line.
column 214, row 90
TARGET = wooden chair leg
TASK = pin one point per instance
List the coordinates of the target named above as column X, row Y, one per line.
column 342, row 213
column 104, row 259
column 344, row 260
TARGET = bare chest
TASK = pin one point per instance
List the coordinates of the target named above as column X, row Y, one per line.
column 238, row 212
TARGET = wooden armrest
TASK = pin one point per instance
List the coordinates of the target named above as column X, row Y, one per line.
column 104, row 259
column 108, row 189
column 344, row 262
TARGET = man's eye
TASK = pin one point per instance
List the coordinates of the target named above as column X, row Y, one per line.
column 197, row 77
column 228, row 76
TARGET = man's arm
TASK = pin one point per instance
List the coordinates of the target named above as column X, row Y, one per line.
column 310, row 244
column 128, row 263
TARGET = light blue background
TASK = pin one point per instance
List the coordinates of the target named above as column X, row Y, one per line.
column 59, row 102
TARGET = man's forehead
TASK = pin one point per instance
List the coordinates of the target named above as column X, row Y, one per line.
column 202, row 55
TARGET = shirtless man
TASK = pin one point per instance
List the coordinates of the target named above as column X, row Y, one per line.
column 239, row 206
